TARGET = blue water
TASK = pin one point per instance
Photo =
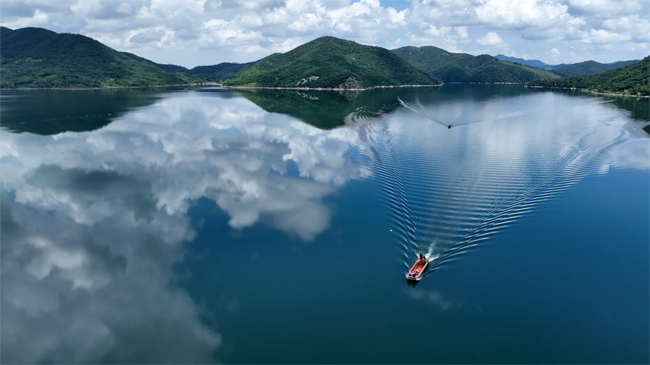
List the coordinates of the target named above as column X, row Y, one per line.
column 201, row 226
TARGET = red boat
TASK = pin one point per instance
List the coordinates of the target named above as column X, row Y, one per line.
column 418, row 268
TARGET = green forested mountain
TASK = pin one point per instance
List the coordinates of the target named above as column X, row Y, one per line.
column 36, row 57
column 631, row 79
column 221, row 72
column 168, row 67
column 461, row 67
column 329, row 62
column 589, row 68
column 215, row 73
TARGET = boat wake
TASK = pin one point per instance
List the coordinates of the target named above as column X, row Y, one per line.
column 448, row 190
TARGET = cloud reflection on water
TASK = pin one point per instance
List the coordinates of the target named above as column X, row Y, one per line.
column 93, row 223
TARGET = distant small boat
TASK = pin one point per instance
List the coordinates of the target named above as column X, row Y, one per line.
column 418, row 268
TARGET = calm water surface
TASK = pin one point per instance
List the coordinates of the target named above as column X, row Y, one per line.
column 200, row 226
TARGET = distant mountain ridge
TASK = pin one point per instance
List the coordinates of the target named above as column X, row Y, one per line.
column 466, row 68
column 329, row 62
column 589, row 68
column 40, row 58
column 628, row 80
column 532, row 63
column 222, row 71
column 572, row 69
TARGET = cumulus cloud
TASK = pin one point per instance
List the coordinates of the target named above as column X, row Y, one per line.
column 605, row 8
column 605, row 37
column 490, row 39
column 147, row 36
column 526, row 13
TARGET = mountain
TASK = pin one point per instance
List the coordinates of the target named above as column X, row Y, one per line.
column 215, row 73
column 568, row 70
column 461, row 67
column 168, row 67
column 630, row 80
column 532, row 63
column 220, row 72
column 589, row 68
column 329, row 62
column 36, row 57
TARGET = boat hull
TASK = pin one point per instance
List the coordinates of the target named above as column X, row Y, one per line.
column 415, row 274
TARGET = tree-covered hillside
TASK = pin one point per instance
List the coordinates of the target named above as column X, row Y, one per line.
column 461, row 67
column 168, row 67
column 329, row 62
column 221, row 72
column 213, row 73
column 36, row 57
column 631, row 80
column 589, row 68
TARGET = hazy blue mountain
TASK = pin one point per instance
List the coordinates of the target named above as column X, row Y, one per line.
column 533, row 63
column 631, row 80
column 589, row 68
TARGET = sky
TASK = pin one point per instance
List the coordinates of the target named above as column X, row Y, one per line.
column 206, row 32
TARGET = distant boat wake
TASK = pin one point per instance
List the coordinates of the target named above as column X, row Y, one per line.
column 447, row 193
column 463, row 118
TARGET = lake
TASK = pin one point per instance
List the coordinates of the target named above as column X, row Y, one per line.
column 267, row 226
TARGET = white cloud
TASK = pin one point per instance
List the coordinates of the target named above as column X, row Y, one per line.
column 602, row 36
column 526, row 13
column 147, row 36
column 605, row 8
column 490, row 39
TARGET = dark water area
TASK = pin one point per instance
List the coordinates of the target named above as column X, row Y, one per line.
column 219, row 226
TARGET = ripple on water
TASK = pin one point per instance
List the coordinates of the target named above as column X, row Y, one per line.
column 446, row 190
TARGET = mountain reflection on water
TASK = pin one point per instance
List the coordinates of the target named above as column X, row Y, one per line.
column 94, row 222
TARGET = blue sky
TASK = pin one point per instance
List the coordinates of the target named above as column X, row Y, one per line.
column 203, row 32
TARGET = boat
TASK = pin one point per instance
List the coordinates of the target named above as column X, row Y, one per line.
column 415, row 274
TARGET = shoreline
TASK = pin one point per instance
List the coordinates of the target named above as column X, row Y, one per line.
column 587, row 91
column 106, row 87
column 326, row 88
column 219, row 85
column 213, row 84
